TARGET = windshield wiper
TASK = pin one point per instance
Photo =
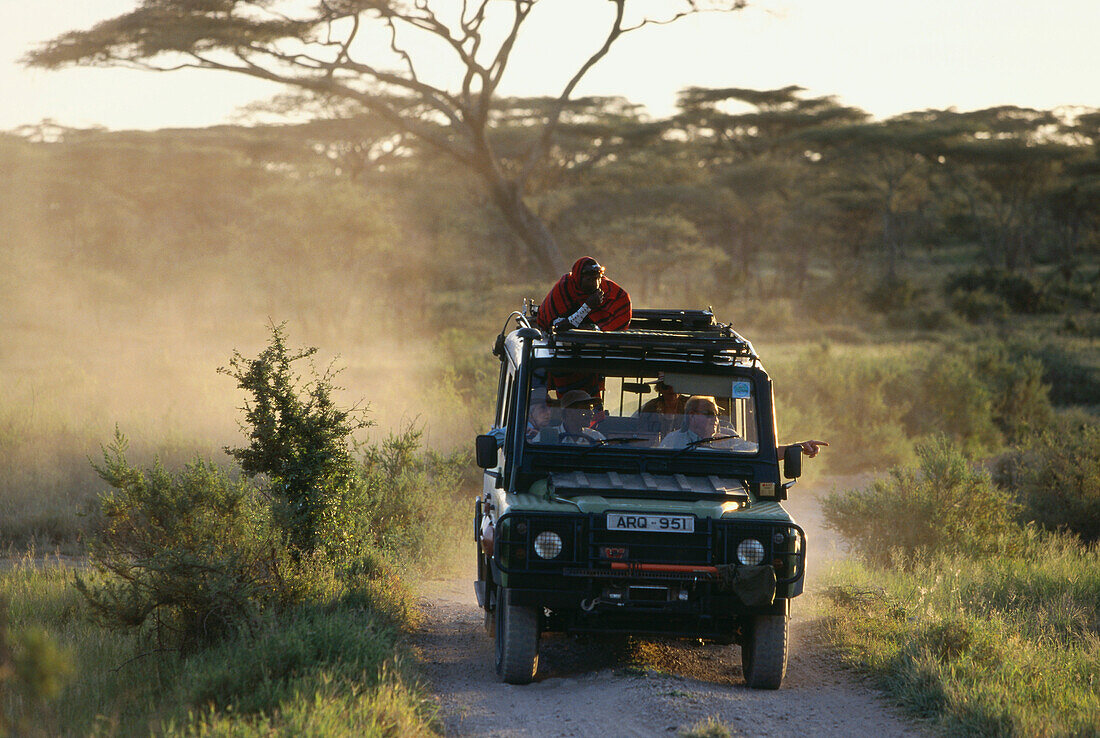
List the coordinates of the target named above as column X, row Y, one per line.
column 701, row 441
column 608, row 442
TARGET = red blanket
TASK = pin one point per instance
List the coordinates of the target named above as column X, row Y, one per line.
column 566, row 296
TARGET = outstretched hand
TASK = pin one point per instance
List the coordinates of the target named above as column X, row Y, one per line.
column 810, row 448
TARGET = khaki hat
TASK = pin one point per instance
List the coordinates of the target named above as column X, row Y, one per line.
column 577, row 397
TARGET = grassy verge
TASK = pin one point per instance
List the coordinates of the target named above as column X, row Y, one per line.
column 998, row 645
column 327, row 668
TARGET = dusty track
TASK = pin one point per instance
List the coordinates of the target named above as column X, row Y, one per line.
column 600, row 688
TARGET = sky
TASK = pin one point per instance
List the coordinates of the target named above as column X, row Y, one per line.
column 885, row 57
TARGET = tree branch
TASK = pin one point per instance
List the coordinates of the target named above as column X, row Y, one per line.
column 539, row 149
column 329, row 85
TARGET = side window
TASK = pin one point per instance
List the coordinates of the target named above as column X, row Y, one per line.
column 504, row 415
column 503, row 390
column 509, row 410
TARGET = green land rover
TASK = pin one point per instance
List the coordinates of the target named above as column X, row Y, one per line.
column 610, row 516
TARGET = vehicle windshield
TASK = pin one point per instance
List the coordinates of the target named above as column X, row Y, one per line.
column 703, row 412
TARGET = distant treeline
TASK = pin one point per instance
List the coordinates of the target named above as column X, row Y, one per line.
column 749, row 187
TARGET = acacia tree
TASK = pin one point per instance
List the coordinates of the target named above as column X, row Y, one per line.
column 751, row 142
column 336, row 48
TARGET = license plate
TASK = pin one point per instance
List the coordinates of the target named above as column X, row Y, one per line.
column 654, row 523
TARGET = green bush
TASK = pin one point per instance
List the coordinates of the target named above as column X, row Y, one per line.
column 414, row 501
column 847, row 402
column 300, row 442
column 33, row 669
column 1057, row 479
column 1072, row 380
column 942, row 505
column 979, row 395
column 1020, row 399
column 979, row 306
column 1023, row 293
column 949, row 398
column 188, row 552
column 196, row 555
column 891, row 294
column 922, row 317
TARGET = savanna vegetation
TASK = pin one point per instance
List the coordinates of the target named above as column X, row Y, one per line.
column 924, row 290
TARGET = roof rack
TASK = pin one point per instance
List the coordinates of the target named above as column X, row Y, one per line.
column 673, row 320
column 654, row 334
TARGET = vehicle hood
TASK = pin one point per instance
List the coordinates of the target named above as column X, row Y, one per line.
column 597, row 493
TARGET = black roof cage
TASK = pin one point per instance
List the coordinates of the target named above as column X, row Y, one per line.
column 673, row 320
column 653, row 334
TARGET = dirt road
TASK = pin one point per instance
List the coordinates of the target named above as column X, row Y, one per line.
column 596, row 688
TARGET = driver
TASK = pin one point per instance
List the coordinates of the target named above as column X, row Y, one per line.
column 577, row 408
column 701, row 422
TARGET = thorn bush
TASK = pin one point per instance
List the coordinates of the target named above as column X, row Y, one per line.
column 299, row 441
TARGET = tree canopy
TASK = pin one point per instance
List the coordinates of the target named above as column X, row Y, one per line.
column 377, row 53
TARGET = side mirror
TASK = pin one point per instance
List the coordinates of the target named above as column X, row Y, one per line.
column 792, row 462
column 485, row 451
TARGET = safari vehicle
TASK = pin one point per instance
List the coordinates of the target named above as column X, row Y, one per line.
column 617, row 532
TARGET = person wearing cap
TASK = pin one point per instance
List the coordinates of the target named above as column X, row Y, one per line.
column 577, row 409
column 701, row 423
column 585, row 298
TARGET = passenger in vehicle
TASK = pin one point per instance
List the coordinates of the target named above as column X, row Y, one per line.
column 538, row 417
column 577, row 409
column 585, row 298
column 664, row 413
column 701, row 422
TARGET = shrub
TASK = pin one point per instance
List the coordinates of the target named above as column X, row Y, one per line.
column 979, row 395
column 186, row 552
column 1072, row 380
column 1020, row 399
column 891, row 293
column 1024, row 294
column 979, row 306
column 1057, row 479
column 197, row 555
column 922, row 317
column 942, row 505
column 409, row 498
column 846, row 400
column 32, row 667
column 949, row 398
column 300, row 442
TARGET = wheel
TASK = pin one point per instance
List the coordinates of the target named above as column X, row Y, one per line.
column 764, row 651
column 517, row 641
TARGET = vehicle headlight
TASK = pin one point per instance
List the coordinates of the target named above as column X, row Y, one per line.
column 548, row 545
column 750, row 552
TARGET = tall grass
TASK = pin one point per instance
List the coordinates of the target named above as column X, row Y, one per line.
column 989, row 646
column 328, row 669
column 985, row 626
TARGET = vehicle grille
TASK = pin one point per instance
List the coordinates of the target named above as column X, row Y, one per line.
column 586, row 541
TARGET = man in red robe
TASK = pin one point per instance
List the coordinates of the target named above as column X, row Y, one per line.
column 585, row 298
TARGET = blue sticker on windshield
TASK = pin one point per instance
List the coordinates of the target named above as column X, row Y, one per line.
column 741, row 390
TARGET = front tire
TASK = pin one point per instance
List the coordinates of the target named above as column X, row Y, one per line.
column 764, row 651
column 517, row 641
